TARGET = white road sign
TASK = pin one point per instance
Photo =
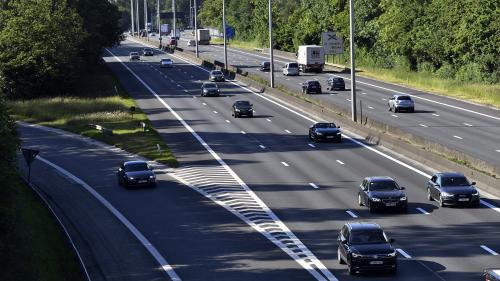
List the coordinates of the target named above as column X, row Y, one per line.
column 332, row 43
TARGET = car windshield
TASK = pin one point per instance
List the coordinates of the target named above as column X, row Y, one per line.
column 383, row 185
column 166, row 60
column 134, row 167
column 210, row 85
column 315, row 83
column 242, row 103
column 454, row 181
column 338, row 80
column 147, row 50
column 368, row 236
column 134, row 54
column 266, row 63
column 326, row 125
column 216, row 72
column 404, row 98
column 293, row 65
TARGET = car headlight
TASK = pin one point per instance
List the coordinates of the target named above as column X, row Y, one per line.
column 319, row 134
column 356, row 255
column 130, row 178
column 475, row 194
column 446, row 194
column 403, row 198
column 375, row 199
column 152, row 177
column 237, row 110
column 393, row 254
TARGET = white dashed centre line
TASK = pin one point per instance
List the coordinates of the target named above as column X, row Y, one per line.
column 370, row 107
column 348, row 99
column 403, row 253
column 423, row 125
column 288, row 132
column 311, row 145
column 204, row 103
column 227, row 121
column 394, row 115
column 243, row 132
column 498, row 150
column 215, row 112
column 384, row 99
column 340, row 162
column 178, row 85
column 285, row 164
column 467, row 124
column 313, row 185
column 261, row 146
column 423, row 211
column 351, row 213
column 457, row 137
column 489, row 250
column 363, row 93
column 186, row 91
column 269, row 120
column 437, row 115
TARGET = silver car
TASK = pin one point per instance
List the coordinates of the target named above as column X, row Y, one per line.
column 216, row 75
column 166, row 63
column 134, row 56
column 401, row 103
column 291, row 68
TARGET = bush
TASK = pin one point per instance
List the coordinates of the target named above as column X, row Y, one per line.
column 470, row 72
column 426, row 67
column 446, row 71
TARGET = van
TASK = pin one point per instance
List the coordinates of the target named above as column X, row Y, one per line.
column 291, row 68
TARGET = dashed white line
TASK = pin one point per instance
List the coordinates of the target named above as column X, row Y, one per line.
column 437, row 115
column 215, row 112
column 227, row 121
column 467, row 124
column 313, row 185
column 458, row 137
column 489, row 250
column 498, row 150
column 423, row 211
column 311, row 145
column 340, row 162
column 285, row 164
column 423, row 125
column 384, row 99
column 243, row 132
column 394, row 115
column 370, row 107
column 288, row 132
column 351, row 213
column 363, row 93
column 348, row 99
column 403, row 253
column 268, row 120
column 204, row 103
column 261, row 146
column 186, row 91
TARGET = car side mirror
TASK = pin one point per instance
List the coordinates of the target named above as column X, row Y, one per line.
column 473, row 183
column 338, row 127
column 392, row 240
column 120, row 169
column 403, row 188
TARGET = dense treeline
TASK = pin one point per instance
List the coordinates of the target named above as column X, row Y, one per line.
column 46, row 44
column 456, row 39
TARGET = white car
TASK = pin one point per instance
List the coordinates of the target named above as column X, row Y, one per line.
column 166, row 63
column 191, row 43
column 291, row 68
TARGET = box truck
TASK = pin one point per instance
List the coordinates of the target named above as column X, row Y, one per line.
column 203, row 36
column 311, row 58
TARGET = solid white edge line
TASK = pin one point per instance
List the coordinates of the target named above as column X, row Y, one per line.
column 313, row 185
column 318, row 264
column 311, row 145
column 285, row 164
column 403, row 253
column 144, row 241
column 484, row 247
column 423, row 211
column 261, row 146
column 340, row 162
column 352, row 214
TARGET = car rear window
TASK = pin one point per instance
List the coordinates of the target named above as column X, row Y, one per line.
column 242, row 103
column 454, row 181
column 383, row 185
column 368, row 236
column 134, row 54
column 293, row 65
column 326, row 125
column 404, row 98
column 315, row 83
column 166, row 60
column 136, row 167
column 210, row 85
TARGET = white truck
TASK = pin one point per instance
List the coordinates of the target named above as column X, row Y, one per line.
column 311, row 58
column 203, row 36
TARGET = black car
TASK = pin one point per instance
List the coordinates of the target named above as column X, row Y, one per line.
column 265, row 66
column 136, row 173
column 311, row 87
column 216, row 75
column 147, row 52
column 209, row 89
column 363, row 246
column 242, row 108
column 382, row 193
column 452, row 189
column 325, row 132
column 335, row 83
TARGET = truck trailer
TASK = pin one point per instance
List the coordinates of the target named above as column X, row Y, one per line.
column 203, row 36
column 311, row 58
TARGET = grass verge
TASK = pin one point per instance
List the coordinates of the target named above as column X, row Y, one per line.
column 32, row 246
column 99, row 100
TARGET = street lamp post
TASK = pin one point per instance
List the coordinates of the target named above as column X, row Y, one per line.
column 173, row 24
column 146, row 19
column 224, row 31
column 271, row 45
column 158, row 16
column 137, row 17
column 353, row 68
column 196, row 27
column 132, row 17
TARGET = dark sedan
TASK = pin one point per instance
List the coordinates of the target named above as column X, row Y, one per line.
column 242, row 108
column 382, row 193
column 335, row 83
column 325, row 132
column 265, row 66
column 136, row 173
column 147, row 52
column 216, row 75
column 452, row 189
column 209, row 89
column 364, row 247
column 311, row 87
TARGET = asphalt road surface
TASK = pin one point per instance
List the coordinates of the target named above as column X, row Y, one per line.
column 312, row 188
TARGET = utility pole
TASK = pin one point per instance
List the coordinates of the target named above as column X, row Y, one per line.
column 146, row 19
column 224, row 30
column 158, row 16
column 137, row 17
column 190, row 15
column 132, row 17
column 271, row 45
column 173, row 24
column 196, row 27
column 353, row 68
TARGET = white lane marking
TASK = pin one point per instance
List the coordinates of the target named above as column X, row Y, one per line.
column 340, row 162
column 370, row 107
column 261, row 146
column 437, row 115
column 467, row 124
column 423, row 211
column 423, row 125
column 490, row 205
column 227, row 121
column 394, row 115
column 332, row 94
column 268, row 120
column 457, row 137
column 288, row 131
column 204, row 103
column 488, row 250
column 498, row 150
column 285, row 164
column 384, row 99
column 288, row 79
column 363, row 93
column 311, row 145
column 243, row 132
column 351, row 213
column 215, row 112
column 318, row 265
column 348, row 99
column 313, row 185
column 145, row 242
column 403, row 253
column 186, row 91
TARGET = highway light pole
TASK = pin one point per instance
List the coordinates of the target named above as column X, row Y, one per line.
column 196, row 27
column 353, row 68
column 224, row 31
column 146, row 19
column 132, row 17
column 158, row 16
column 137, row 17
column 173, row 24
column 271, row 45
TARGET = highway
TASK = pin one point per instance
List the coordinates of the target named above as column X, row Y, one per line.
column 312, row 188
column 460, row 125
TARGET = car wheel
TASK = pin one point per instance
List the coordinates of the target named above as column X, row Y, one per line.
column 343, row 88
column 390, row 108
column 339, row 257
column 310, row 136
column 350, row 269
column 394, row 270
column 429, row 196
column 360, row 202
column 371, row 208
column 441, row 203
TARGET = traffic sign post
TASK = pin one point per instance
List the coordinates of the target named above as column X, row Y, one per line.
column 29, row 156
column 230, row 32
column 332, row 43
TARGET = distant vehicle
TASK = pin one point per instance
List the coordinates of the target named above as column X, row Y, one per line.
column 335, row 83
column 203, row 36
column 134, row 56
column 291, row 68
column 382, row 193
column 136, row 173
column 492, row 274
column 152, row 34
column 365, row 246
column 452, row 188
column 148, row 27
column 172, row 41
column 209, row 89
column 147, row 52
column 216, row 75
column 265, row 66
column 311, row 58
column 242, row 108
column 324, row 131
column 401, row 103
column 166, row 63
column 311, row 87
column 191, row 43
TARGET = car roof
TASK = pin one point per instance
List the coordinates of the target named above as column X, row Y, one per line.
column 134, row 162
column 402, row 96
column 209, row 83
column 363, row 225
column 379, row 178
column 450, row 174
